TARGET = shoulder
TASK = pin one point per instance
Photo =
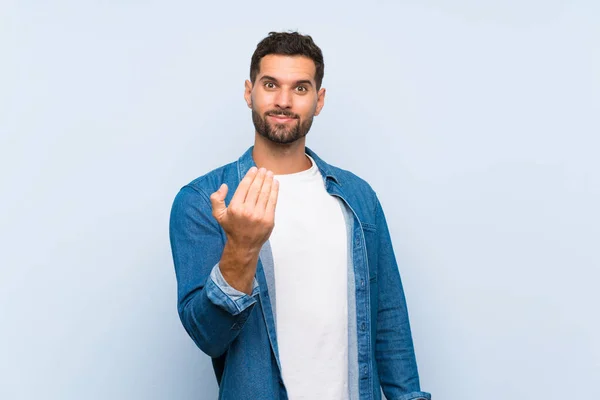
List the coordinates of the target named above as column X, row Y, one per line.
column 344, row 177
column 358, row 192
column 196, row 194
column 211, row 181
column 352, row 183
column 354, row 189
column 350, row 179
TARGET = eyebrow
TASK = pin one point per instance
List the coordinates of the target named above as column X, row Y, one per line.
column 270, row 78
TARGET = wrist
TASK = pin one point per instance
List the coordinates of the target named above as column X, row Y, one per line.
column 243, row 254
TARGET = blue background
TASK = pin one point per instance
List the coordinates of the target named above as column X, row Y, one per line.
column 477, row 124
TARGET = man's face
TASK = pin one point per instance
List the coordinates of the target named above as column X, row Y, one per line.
column 284, row 98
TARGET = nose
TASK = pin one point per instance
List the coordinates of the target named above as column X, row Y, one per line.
column 283, row 99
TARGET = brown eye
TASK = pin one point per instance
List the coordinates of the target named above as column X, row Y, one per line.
column 269, row 85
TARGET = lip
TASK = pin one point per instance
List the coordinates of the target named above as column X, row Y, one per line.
column 281, row 118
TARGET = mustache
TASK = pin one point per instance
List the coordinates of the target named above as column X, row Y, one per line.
column 282, row 113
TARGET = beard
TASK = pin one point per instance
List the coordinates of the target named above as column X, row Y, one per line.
column 281, row 133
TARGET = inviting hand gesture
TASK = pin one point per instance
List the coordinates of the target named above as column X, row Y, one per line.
column 248, row 222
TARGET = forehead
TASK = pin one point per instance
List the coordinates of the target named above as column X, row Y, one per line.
column 287, row 68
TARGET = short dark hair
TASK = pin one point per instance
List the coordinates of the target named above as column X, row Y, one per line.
column 289, row 44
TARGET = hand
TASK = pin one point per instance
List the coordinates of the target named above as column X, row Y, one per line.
column 250, row 217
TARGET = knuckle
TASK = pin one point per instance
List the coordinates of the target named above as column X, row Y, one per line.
column 257, row 218
column 246, row 213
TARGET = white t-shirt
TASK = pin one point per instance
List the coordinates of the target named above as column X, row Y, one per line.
column 309, row 246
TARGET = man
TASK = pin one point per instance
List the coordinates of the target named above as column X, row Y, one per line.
column 285, row 269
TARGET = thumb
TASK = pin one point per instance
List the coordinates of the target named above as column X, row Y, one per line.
column 217, row 200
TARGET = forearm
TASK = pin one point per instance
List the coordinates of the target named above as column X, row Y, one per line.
column 238, row 266
column 216, row 280
column 217, row 313
column 213, row 319
column 394, row 351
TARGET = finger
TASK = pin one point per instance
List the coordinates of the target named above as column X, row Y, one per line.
column 265, row 191
column 273, row 198
column 217, row 200
column 240, row 194
column 254, row 190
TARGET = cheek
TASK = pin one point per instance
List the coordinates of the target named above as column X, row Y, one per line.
column 307, row 108
column 261, row 101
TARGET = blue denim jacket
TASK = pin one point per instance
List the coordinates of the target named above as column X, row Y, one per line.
column 239, row 331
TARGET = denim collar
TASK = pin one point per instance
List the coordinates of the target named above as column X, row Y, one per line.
column 246, row 162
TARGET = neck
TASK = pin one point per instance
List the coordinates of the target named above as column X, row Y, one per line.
column 282, row 159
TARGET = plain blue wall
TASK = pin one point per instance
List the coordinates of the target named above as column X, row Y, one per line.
column 476, row 122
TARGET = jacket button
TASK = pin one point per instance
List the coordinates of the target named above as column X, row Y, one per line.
column 362, row 282
column 363, row 326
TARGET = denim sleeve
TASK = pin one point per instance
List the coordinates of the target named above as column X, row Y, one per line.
column 211, row 311
column 226, row 296
column 394, row 351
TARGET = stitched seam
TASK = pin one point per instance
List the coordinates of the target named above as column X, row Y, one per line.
column 227, row 298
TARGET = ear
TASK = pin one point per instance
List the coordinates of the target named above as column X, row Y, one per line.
column 248, row 93
column 320, row 101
